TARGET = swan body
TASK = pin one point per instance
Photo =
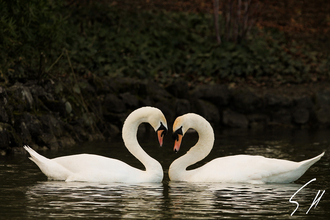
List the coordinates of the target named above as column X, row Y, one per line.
column 95, row 168
column 238, row 168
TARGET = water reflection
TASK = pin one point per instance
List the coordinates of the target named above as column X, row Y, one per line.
column 25, row 193
column 86, row 200
column 173, row 200
column 235, row 201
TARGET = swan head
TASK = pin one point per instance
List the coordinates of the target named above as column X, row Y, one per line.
column 151, row 115
column 158, row 121
column 180, row 126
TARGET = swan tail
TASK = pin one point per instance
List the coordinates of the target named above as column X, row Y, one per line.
column 293, row 171
column 34, row 156
column 49, row 167
column 308, row 163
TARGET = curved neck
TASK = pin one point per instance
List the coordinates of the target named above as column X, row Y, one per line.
column 129, row 135
column 198, row 152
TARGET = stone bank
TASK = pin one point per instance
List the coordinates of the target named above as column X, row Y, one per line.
column 52, row 114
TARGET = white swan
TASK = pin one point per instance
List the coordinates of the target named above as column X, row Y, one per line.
column 238, row 168
column 95, row 168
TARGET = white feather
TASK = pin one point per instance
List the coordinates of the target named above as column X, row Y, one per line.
column 238, row 168
column 95, row 168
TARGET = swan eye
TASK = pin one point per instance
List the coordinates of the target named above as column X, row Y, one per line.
column 175, row 134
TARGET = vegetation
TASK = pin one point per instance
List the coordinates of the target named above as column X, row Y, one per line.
column 51, row 39
column 31, row 34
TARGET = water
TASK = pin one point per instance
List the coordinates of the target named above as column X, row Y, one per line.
column 25, row 192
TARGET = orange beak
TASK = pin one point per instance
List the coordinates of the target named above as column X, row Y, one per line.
column 160, row 137
column 177, row 143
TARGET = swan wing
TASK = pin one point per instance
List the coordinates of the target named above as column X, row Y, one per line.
column 95, row 168
column 49, row 167
column 80, row 162
column 84, row 167
column 251, row 169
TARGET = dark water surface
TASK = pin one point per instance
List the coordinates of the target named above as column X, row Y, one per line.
column 25, row 192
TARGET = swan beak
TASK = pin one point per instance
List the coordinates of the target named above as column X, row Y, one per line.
column 177, row 136
column 160, row 134
column 177, row 143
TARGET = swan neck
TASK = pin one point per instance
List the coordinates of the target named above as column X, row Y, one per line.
column 129, row 135
column 197, row 153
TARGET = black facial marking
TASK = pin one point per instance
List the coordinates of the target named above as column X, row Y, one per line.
column 175, row 134
column 163, row 128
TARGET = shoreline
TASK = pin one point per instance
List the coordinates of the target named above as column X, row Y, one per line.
column 48, row 116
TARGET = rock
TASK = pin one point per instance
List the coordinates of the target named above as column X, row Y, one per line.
column 22, row 96
column 135, row 86
column 131, row 101
column 216, row 94
column 3, row 102
column 113, row 131
column 157, row 93
column 277, row 100
column 32, row 123
column 39, row 114
column 179, row 89
column 66, row 141
column 322, row 98
column 24, row 133
column 3, row 96
column 80, row 134
column 43, row 129
column 3, row 114
column 322, row 115
column 113, row 104
column 209, row 111
column 146, row 101
column 167, row 109
column 282, row 116
column 49, row 140
column 51, row 125
column 301, row 116
column 247, row 101
column 115, row 118
column 234, row 120
column 303, row 102
column 105, row 85
column 5, row 135
column 8, row 136
column 258, row 120
column 182, row 106
column 46, row 101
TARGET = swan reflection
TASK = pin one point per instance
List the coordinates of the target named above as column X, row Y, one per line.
column 76, row 199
